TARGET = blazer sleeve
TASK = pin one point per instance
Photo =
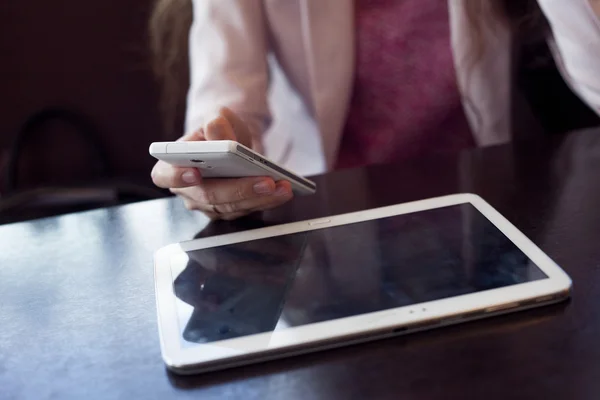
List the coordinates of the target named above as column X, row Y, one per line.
column 228, row 47
column 576, row 43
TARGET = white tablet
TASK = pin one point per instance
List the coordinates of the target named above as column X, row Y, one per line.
column 252, row 296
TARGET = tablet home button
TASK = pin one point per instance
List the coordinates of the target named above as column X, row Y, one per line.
column 320, row 222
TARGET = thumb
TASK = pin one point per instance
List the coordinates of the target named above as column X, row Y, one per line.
column 241, row 129
column 219, row 129
column 194, row 136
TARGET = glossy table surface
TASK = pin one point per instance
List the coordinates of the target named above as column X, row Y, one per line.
column 78, row 317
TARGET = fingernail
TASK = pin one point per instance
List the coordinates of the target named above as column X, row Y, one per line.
column 263, row 187
column 189, row 177
column 282, row 191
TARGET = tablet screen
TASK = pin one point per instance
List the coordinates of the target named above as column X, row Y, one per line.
column 291, row 280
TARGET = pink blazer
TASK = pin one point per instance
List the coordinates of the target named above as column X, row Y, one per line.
column 286, row 66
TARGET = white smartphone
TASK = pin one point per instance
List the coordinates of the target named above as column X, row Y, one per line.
column 227, row 159
column 274, row 292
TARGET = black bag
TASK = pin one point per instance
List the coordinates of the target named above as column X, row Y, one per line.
column 103, row 189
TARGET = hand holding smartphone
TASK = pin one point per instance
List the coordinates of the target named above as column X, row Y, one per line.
column 227, row 159
column 216, row 174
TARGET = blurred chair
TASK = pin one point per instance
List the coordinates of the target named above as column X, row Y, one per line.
column 79, row 106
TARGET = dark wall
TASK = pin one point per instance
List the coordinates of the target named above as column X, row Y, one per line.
column 89, row 56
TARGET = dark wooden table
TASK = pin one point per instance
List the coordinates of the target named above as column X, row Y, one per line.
column 78, row 318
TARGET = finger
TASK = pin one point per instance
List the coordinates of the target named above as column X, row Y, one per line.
column 188, row 202
column 222, row 191
column 211, row 213
column 191, row 205
column 219, row 129
column 240, row 128
column 282, row 194
column 194, row 136
column 195, row 198
column 167, row 176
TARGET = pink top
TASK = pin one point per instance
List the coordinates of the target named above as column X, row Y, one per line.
column 406, row 101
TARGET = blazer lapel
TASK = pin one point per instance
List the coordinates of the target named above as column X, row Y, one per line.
column 485, row 85
column 328, row 35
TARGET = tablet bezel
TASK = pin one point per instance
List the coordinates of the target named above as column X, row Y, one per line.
column 343, row 331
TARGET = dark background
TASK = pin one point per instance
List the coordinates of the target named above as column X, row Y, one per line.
column 90, row 57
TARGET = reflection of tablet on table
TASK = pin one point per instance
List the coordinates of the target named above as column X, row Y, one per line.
column 278, row 291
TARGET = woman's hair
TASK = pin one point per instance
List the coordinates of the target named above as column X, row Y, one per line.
column 524, row 18
column 171, row 20
column 169, row 28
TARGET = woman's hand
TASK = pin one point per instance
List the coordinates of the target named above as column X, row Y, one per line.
column 226, row 199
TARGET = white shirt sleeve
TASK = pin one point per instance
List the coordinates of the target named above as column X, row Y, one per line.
column 576, row 44
column 228, row 63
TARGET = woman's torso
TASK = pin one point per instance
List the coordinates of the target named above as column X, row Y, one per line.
column 406, row 102
column 315, row 45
